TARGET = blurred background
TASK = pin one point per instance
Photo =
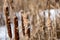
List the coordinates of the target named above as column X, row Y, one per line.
column 27, row 6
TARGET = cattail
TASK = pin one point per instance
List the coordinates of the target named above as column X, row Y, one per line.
column 28, row 31
column 16, row 28
column 9, row 28
column 23, row 28
column 6, row 11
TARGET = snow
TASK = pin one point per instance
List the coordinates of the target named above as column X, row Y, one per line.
column 2, row 33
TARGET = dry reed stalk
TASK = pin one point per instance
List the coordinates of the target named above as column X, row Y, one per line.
column 55, row 25
column 25, row 25
column 16, row 28
column 48, row 23
column 57, row 29
column 54, row 29
column 11, row 3
column 28, row 25
column 11, row 9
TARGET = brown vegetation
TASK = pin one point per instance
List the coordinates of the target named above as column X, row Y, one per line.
column 42, row 28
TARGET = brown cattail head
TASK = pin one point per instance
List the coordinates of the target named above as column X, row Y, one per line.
column 16, row 28
column 6, row 11
column 23, row 28
column 9, row 28
column 28, row 32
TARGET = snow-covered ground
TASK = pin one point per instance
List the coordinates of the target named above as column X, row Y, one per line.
column 2, row 33
column 3, row 29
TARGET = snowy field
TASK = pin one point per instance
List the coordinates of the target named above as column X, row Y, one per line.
column 3, row 33
column 3, row 29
